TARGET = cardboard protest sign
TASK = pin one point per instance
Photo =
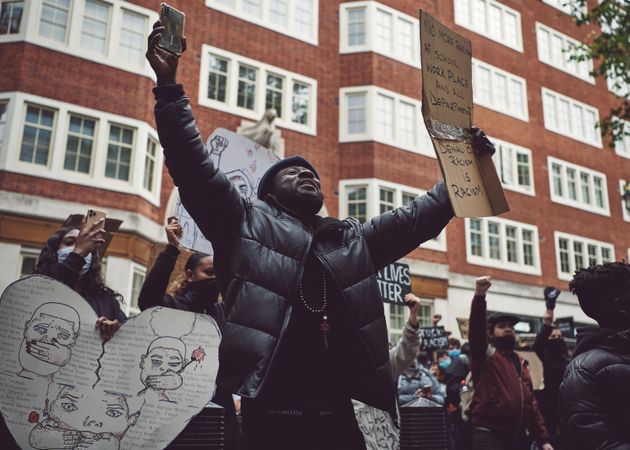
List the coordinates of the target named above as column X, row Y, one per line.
column 63, row 388
column 394, row 282
column 433, row 338
column 462, row 322
column 243, row 162
column 447, row 106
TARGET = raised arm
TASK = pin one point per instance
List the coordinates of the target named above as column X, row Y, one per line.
column 209, row 197
column 477, row 327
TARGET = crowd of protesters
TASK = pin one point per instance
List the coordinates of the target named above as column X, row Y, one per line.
column 301, row 316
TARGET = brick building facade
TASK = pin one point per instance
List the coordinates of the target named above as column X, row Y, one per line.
column 76, row 130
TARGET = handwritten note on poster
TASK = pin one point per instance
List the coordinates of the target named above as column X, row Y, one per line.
column 60, row 387
column 473, row 185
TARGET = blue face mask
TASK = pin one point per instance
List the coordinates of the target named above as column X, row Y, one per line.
column 454, row 353
column 63, row 253
column 444, row 363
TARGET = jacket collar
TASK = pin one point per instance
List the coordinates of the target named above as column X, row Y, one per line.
column 317, row 224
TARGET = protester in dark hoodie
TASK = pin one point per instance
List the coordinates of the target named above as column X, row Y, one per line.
column 595, row 392
column 503, row 405
column 197, row 292
column 552, row 351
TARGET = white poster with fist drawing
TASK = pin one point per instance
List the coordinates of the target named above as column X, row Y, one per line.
column 243, row 162
column 61, row 386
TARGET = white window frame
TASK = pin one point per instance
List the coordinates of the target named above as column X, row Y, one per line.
column 617, row 85
column 549, row 125
column 510, row 77
column 140, row 270
column 21, row 17
column 585, row 242
column 371, row 8
column 423, row 143
column 25, row 252
column 291, row 30
column 483, row 31
column 53, row 135
column 372, row 199
column 10, row 159
column 622, row 146
column 29, row 32
column 504, row 264
column 624, row 212
column 230, row 105
column 516, row 149
column 81, row 137
column 563, row 5
column 564, row 64
column 578, row 203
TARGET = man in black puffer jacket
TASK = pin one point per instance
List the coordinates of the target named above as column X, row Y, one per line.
column 302, row 302
column 595, row 392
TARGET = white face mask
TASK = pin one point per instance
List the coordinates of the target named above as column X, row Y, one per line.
column 63, row 253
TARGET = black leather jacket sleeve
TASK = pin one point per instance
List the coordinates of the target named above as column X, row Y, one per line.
column 209, row 197
column 156, row 282
column 394, row 234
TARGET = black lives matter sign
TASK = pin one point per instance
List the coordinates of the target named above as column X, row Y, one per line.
column 394, row 283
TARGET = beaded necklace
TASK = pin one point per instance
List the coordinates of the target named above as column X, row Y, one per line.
column 324, row 327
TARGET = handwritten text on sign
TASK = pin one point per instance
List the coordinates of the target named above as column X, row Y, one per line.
column 394, row 282
column 446, row 74
column 433, row 338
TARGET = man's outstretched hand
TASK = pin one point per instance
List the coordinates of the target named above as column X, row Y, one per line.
column 163, row 63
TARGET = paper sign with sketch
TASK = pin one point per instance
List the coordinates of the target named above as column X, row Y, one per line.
column 60, row 387
column 243, row 162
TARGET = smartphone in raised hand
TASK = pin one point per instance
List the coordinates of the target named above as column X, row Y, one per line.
column 92, row 217
column 173, row 23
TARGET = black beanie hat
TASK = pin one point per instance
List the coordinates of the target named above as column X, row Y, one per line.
column 267, row 179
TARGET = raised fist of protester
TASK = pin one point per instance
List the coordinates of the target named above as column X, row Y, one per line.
column 436, row 319
column 107, row 327
column 89, row 238
column 482, row 284
column 173, row 231
column 163, row 63
column 480, row 142
column 551, row 295
column 413, row 302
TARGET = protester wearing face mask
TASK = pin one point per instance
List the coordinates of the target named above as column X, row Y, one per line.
column 71, row 256
column 195, row 291
column 503, row 406
column 552, row 350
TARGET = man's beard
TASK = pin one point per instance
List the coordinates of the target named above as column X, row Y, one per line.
column 505, row 342
column 304, row 204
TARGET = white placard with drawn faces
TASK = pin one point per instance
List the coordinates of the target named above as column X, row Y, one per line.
column 243, row 162
column 62, row 387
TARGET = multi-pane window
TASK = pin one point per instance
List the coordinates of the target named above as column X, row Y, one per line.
column 137, row 281
column 397, row 319
column 567, row 6
column 79, row 144
column 578, row 186
column 53, row 22
column 10, row 16
column 37, row 135
column 28, row 261
column 150, row 163
column 246, row 87
column 356, row 26
column 503, row 244
column 491, row 19
column 357, row 202
column 296, row 18
column 217, row 78
column 119, row 151
column 622, row 146
column 273, row 99
column 571, row 118
column 514, row 166
column 625, row 206
column 132, row 37
column 373, row 113
column 555, row 49
column 95, row 25
column 499, row 90
column 367, row 198
column 234, row 83
column 576, row 252
column 372, row 26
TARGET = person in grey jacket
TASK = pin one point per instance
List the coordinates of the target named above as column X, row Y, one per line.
column 302, row 301
column 417, row 381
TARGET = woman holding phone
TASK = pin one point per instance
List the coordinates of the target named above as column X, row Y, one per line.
column 71, row 256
